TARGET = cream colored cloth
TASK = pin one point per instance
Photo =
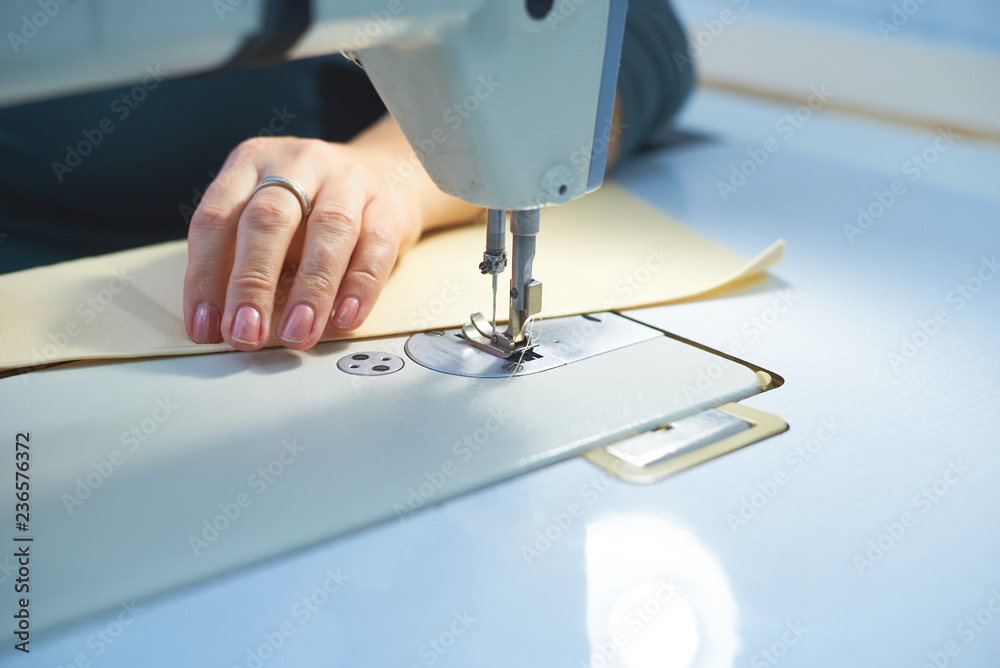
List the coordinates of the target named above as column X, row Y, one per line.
column 607, row 250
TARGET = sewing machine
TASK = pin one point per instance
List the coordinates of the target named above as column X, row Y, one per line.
column 530, row 86
column 507, row 104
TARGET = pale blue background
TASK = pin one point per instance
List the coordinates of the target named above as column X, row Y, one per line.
column 973, row 24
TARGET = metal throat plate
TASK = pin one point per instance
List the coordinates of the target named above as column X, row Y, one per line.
column 560, row 342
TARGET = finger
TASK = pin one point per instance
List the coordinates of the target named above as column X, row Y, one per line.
column 331, row 236
column 263, row 235
column 292, row 259
column 373, row 259
column 211, row 235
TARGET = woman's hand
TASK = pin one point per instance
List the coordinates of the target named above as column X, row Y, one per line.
column 370, row 199
column 239, row 246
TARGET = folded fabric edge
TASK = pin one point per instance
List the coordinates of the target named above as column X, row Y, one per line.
column 747, row 273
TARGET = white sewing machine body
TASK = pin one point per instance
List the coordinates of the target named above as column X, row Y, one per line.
column 148, row 475
column 505, row 110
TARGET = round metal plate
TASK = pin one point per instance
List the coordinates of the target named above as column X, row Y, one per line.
column 370, row 363
column 560, row 341
column 449, row 352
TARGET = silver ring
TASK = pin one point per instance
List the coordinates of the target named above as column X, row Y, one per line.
column 292, row 187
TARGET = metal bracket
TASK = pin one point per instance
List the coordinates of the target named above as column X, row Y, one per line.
column 559, row 341
column 655, row 455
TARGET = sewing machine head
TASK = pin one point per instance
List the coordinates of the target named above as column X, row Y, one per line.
column 508, row 107
column 507, row 103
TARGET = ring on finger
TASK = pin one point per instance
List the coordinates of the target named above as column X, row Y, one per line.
column 291, row 186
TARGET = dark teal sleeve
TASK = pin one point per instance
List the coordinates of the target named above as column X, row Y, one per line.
column 113, row 169
column 656, row 73
column 134, row 155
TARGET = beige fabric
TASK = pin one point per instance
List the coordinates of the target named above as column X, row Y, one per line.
column 607, row 250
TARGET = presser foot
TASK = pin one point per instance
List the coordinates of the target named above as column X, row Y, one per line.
column 480, row 334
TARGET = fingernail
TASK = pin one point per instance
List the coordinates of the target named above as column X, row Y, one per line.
column 206, row 324
column 298, row 325
column 246, row 325
column 347, row 312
